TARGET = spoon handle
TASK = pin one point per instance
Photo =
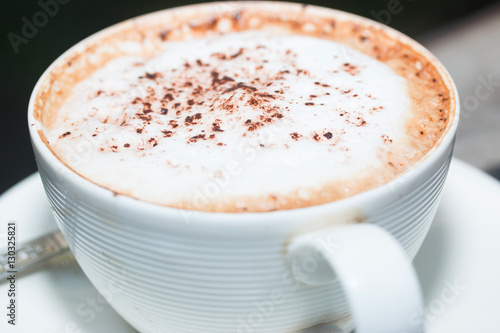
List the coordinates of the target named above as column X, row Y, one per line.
column 31, row 253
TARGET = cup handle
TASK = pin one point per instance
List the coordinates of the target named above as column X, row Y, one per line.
column 375, row 272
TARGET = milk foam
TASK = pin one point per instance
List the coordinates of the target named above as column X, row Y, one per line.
column 236, row 119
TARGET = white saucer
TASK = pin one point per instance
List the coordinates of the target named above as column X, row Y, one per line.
column 457, row 264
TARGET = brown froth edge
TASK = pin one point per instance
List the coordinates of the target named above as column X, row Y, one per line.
column 429, row 87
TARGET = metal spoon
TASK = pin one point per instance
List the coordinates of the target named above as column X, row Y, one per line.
column 33, row 253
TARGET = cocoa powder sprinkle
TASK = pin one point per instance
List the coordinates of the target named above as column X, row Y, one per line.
column 240, row 85
column 164, row 35
column 167, row 133
column 216, row 128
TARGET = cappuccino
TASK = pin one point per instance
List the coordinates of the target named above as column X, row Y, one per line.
column 244, row 111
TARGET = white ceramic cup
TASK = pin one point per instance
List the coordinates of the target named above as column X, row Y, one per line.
column 344, row 264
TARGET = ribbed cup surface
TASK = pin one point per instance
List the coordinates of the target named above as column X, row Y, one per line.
column 185, row 282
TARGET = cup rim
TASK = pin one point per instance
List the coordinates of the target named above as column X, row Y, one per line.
column 410, row 174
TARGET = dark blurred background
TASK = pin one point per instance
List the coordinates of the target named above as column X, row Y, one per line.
column 75, row 19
